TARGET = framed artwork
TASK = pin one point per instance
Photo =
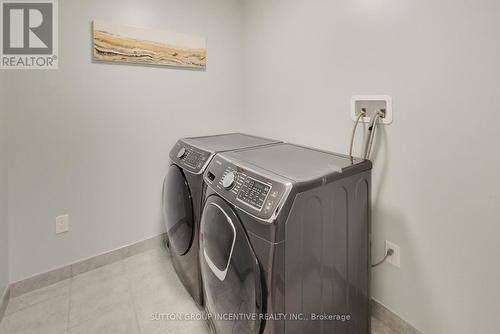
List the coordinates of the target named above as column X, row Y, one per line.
column 121, row 43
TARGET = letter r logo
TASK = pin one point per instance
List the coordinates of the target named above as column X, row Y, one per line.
column 27, row 28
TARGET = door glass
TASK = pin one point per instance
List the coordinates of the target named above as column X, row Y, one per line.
column 218, row 235
column 177, row 211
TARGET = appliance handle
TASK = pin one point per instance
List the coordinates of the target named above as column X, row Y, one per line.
column 221, row 274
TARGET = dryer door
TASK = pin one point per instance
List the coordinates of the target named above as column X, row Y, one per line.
column 230, row 270
column 177, row 211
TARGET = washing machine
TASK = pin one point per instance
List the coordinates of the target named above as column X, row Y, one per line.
column 285, row 242
column 183, row 190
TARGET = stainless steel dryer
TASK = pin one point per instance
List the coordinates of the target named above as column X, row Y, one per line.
column 183, row 191
column 284, row 242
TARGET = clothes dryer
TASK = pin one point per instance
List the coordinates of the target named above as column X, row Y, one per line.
column 285, row 242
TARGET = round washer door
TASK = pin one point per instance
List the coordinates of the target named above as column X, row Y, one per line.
column 230, row 271
column 178, row 211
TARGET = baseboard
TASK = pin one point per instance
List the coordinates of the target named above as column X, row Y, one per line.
column 4, row 301
column 392, row 320
column 51, row 277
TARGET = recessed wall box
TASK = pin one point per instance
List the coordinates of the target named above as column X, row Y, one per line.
column 371, row 104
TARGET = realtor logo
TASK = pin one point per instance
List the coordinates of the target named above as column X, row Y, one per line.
column 29, row 34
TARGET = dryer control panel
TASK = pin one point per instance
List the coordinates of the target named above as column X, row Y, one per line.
column 190, row 157
column 247, row 188
column 254, row 192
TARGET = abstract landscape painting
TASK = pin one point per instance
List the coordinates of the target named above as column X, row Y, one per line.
column 119, row 43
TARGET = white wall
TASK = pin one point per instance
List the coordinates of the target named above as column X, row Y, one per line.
column 92, row 139
column 4, row 242
column 436, row 167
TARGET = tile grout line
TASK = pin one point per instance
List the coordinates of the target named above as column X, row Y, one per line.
column 107, row 309
column 69, row 303
column 104, row 310
column 4, row 302
column 134, row 306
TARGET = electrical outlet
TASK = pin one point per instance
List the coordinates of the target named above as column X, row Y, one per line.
column 62, row 224
column 395, row 258
column 371, row 104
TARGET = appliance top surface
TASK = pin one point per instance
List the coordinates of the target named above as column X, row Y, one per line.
column 297, row 163
column 227, row 142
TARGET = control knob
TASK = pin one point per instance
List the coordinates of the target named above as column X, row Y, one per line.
column 229, row 180
column 181, row 153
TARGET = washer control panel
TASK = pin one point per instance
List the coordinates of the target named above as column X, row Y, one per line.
column 247, row 189
column 253, row 192
column 189, row 157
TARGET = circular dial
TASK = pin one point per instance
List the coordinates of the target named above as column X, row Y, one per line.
column 229, row 180
column 181, row 153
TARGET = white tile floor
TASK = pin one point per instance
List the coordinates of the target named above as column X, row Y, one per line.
column 119, row 298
